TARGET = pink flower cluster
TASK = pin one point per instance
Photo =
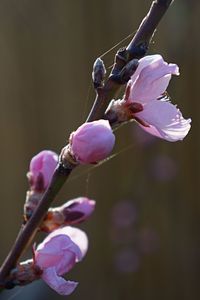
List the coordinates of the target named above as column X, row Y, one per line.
column 150, row 106
column 145, row 99
column 65, row 246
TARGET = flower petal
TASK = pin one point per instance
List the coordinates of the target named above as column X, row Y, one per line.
column 152, row 80
column 144, row 62
column 54, row 243
column 66, row 263
column 78, row 237
column 164, row 120
column 57, row 283
column 61, row 249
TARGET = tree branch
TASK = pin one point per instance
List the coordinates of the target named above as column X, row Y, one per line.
column 136, row 49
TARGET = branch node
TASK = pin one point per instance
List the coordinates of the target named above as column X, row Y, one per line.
column 139, row 50
column 125, row 74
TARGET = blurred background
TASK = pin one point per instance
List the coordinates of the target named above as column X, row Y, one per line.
column 145, row 233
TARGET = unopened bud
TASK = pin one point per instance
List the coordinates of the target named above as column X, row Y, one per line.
column 92, row 142
column 98, row 73
column 72, row 212
column 128, row 70
column 41, row 170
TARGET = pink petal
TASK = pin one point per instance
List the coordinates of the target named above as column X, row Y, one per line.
column 165, row 120
column 63, row 260
column 77, row 240
column 152, row 130
column 57, row 283
column 62, row 249
column 54, row 244
column 152, row 80
column 144, row 62
column 78, row 237
column 66, row 263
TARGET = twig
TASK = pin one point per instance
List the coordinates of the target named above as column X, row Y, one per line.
column 136, row 49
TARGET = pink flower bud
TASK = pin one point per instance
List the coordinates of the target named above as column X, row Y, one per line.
column 146, row 99
column 41, row 170
column 78, row 210
column 57, row 255
column 92, row 141
column 72, row 212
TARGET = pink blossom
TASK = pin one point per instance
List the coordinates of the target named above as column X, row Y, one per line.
column 150, row 106
column 92, row 141
column 77, row 210
column 57, row 255
column 41, row 169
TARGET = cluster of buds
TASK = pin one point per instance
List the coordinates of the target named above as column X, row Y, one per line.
column 65, row 245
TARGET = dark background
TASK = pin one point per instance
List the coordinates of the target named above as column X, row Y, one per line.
column 144, row 235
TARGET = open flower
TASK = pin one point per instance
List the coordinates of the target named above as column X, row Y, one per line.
column 57, row 255
column 92, row 142
column 41, row 170
column 146, row 99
